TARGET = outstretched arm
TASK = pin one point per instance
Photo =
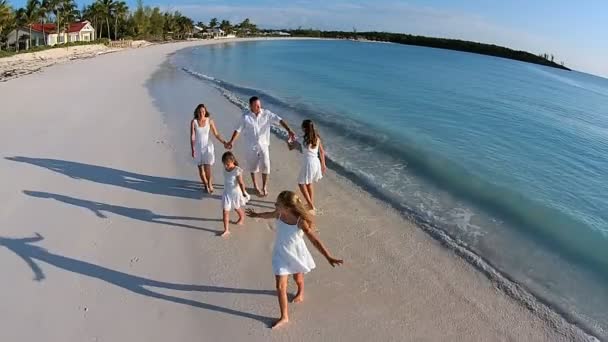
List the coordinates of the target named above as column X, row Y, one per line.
column 215, row 132
column 235, row 135
column 314, row 239
column 38, row 273
column 264, row 215
column 292, row 135
column 22, row 248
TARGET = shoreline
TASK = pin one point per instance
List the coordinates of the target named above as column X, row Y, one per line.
column 403, row 283
column 552, row 314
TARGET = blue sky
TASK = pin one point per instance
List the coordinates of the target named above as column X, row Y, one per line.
column 574, row 31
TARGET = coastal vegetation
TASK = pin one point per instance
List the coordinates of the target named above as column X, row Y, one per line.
column 440, row 43
column 114, row 20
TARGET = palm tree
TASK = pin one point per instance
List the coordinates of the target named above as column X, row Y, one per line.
column 226, row 26
column 31, row 15
column 120, row 11
column 185, row 24
column 69, row 12
column 109, row 7
column 17, row 23
column 95, row 14
column 44, row 9
column 213, row 23
column 6, row 15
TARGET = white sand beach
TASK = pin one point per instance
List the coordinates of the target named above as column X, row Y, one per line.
column 106, row 235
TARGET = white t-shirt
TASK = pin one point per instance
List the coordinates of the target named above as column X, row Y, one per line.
column 256, row 130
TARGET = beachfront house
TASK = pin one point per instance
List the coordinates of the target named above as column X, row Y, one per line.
column 214, row 33
column 197, row 30
column 81, row 31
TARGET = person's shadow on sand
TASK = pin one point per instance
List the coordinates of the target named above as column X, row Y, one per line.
column 130, row 180
column 32, row 254
column 146, row 215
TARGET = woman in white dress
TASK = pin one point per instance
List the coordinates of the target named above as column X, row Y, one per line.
column 313, row 161
column 234, row 197
column 203, row 151
column 290, row 256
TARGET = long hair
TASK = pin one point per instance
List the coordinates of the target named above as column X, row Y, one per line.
column 197, row 111
column 229, row 156
column 310, row 134
column 292, row 201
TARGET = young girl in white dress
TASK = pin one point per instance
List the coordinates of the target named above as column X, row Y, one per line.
column 234, row 197
column 203, row 151
column 313, row 161
column 290, row 255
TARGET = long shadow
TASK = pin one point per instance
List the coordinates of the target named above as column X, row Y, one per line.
column 151, row 184
column 98, row 208
column 130, row 180
column 32, row 254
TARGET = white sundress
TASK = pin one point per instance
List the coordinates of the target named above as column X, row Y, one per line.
column 233, row 197
column 311, row 165
column 204, row 151
column 290, row 254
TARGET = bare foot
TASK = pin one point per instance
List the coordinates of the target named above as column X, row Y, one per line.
column 280, row 322
column 239, row 222
column 210, row 189
column 264, row 192
column 225, row 233
column 299, row 298
column 259, row 192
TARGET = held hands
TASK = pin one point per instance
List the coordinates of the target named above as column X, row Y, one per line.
column 250, row 212
column 291, row 137
column 228, row 145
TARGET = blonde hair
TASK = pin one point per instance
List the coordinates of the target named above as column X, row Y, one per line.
column 292, row 201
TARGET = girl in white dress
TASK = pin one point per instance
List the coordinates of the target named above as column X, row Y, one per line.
column 313, row 161
column 234, row 197
column 290, row 255
column 203, row 151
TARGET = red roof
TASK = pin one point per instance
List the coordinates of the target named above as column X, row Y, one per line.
column 51, row 28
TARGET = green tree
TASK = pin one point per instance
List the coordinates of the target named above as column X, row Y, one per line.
column 31, row 15
column 43, row 16
column 184, row 24
column 157, row 23
column 247, row 27
column 141, row 21
column 54, row 7
column 226, row 26
column 18, row 21
column 95, row 14
column 6, row 17
column 69, row 12
column 213, row 23
column 108, row 8
column 120, row 12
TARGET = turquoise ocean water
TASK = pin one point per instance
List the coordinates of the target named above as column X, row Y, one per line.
column 509, row 159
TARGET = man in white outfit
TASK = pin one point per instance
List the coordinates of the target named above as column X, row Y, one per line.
column 255, row 126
